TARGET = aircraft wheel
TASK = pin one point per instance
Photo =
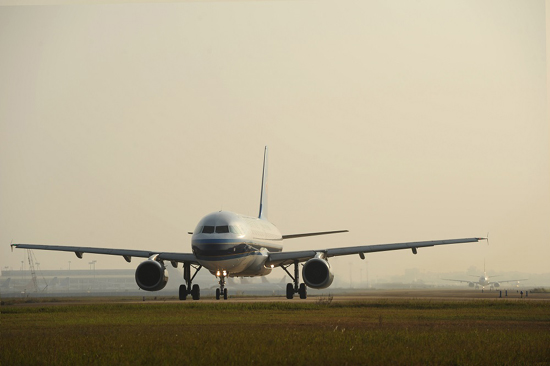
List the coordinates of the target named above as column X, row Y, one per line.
column 196, row 292
column 303, row 291
column 217, row 294
column 225, row 294
column 183, row 292
column 289, row 291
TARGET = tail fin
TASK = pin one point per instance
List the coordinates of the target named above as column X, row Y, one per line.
column 263, row 194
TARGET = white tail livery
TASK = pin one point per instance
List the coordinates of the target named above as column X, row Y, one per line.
column 234, row 245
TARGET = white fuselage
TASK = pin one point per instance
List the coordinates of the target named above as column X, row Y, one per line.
column 484, row 280
column 237, row 244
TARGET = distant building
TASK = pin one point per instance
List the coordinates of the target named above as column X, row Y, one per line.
column 67, row 281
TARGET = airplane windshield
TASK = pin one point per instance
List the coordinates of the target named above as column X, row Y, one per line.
column 235, row 230
column 222, row 229
column 208, row 229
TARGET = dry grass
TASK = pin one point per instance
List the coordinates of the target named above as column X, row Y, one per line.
column 288, row 332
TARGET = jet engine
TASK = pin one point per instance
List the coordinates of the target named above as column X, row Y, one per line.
column 471, row 284
column 496, row 284
column 317, row 273
column 151, row 275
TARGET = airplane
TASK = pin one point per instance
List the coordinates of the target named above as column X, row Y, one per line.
column 232, row 245
column 483, row 281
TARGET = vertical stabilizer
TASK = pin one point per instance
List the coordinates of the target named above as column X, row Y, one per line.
column 263, row 194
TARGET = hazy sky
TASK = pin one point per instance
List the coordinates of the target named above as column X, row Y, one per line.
column 121, row 125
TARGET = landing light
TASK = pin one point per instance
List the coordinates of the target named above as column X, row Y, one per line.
column 224, row 273
column 272, row 266
column 218, row 274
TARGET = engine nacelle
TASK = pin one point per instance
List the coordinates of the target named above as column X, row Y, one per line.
column 151, row 275
column 317, row 273
column 471, row 284
column 496, row 284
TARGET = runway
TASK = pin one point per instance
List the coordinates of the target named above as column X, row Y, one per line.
column 435, row 294
column 355, row 296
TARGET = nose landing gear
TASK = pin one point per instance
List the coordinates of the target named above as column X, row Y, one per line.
column 222, row 291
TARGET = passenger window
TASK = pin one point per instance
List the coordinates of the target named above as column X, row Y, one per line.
column 222, row 229
column 208, row 229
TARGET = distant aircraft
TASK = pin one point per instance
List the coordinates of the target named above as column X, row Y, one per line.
column 232, row 245
column 483, row 281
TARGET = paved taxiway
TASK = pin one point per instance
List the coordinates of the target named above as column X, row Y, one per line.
column 434, row 294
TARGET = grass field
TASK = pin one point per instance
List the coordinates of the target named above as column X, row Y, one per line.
column 377, row 332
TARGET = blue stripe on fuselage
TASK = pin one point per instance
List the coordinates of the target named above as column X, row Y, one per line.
column 227, row 242
column 227, row 257
column 217, row 241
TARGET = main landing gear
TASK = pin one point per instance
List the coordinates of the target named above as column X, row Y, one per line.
column 187, row 289
column 222, row 291
column 296, row 288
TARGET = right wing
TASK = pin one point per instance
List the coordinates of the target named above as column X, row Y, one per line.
column 284, row 258
column 447, row 279
column 127, row 254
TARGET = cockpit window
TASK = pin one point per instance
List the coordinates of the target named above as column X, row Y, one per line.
column 208, row 229
column 235, row 230
column 222, row 229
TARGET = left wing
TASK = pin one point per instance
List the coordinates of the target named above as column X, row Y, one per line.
column 127, row 254
column 284, row 258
